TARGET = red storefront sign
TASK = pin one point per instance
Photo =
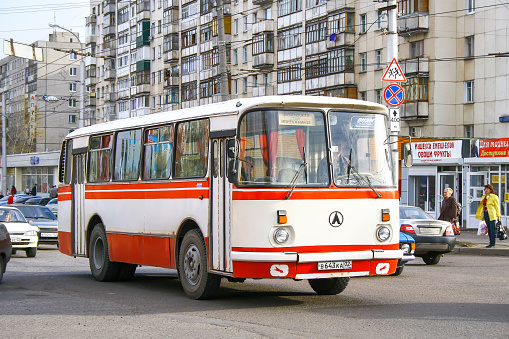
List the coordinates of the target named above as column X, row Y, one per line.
column 493, row 148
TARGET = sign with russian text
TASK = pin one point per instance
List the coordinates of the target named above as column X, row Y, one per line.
column 436, row 151
column 296, row 119
column 31, row 117
column 493, row 148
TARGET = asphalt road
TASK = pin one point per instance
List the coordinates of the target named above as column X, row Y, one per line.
column 54, row 296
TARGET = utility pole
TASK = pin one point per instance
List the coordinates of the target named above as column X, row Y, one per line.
column 4, row 147
column 223, row 72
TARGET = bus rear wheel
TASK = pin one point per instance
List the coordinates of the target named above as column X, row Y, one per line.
column 192, row 268
column 102, row 268
column 329, row 286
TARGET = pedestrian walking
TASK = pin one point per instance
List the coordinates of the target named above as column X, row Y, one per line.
column 449, row 210
column 53, row 192
column 13, row 190
column 34, row 190
column 27, row 189
column 489, row 211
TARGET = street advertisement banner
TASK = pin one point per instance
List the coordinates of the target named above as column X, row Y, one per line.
column 493, row 148
column 436, row 151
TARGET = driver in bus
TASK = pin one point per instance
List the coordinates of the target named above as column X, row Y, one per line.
column 339, row 161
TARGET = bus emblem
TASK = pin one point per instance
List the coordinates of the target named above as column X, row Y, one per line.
column 336, row 219
column 279, row 270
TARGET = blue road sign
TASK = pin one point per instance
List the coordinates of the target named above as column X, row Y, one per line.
column 394, row 95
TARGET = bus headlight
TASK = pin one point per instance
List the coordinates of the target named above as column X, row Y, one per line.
column 281, row 235
column 383, row 233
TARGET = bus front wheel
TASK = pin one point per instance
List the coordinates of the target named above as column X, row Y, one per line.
column 102, row 268
column 329, row 286
column 192, row 268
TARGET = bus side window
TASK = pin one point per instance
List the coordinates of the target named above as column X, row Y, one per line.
column 99, row 158
column 192, row 149
column 158, row 152
column 127, row 155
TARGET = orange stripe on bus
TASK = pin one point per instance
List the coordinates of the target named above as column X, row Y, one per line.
column 146, row 185
column 64, row 197
column 305, row 194
column 319, row 248
column 64, row 189
column 185, row 194
column 64, row 242
column 140, row 250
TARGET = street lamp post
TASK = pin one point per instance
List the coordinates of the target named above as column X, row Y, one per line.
column 82, row 77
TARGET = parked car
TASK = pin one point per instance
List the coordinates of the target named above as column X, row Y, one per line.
column 433, row 238
column 5, row 249
column 407, row 245
column 53, row 205
column 38, row 201
column 23, row 235
column 43, row 218
column 17, row 198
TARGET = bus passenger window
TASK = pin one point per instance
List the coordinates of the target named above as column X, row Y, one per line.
column 127, row 155
column 158, row 152
column 99, row 158
column 192, row 149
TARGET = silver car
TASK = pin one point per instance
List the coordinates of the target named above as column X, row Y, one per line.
column 53, row 205
column 432, row 237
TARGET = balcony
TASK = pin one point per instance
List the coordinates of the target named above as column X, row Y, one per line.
column 110, row 8
column 90, row 102
column 261, row 2
column 170, row 28
column 264, row 60
column 261, row 91
column 412, row 24
column 143, row 88
column 170, row 3
column 340, row 39
column 91, row 19
column 109, row 30
column 171, row 56
column 334, row 5
column 414, row 110
column 171, row 81
column 110, row 74
column 143, row 15
column 110, row 96
column 415, row 66
column 90, row 60
column 91, row 39
column 90, row 81
column 263, row 26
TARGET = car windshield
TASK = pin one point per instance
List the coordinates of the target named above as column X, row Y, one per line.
column 282, row 148
column 360, row 154
column 413, row 213
column 11, row 215
column 53, row 201
column 36, row 212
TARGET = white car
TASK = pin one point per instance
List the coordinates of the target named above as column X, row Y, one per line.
column 23, row 235
column 53, row 205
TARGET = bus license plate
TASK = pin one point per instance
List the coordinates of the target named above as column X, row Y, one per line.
column 335, row 265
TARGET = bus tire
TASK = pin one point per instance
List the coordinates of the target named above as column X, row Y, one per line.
column 102, row 268
column 192, row 268
column 126, row 271
column 31, row 252
column 329, row 286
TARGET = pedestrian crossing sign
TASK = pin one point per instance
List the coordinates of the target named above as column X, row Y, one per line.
column 394, row 73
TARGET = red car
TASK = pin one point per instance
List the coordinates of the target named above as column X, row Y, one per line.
column 5, row 249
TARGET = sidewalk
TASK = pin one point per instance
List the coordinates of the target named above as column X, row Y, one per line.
column 468, row 242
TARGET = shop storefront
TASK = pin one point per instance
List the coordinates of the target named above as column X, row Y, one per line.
column 463, row 165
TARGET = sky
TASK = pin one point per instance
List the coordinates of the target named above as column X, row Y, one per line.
column 26, row 21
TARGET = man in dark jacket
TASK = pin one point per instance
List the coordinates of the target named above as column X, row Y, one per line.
column 34, row 190
column 449, row 210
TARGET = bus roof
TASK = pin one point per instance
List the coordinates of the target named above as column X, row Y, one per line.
column 234, row 106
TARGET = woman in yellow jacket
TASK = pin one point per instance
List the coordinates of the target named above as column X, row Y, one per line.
column 489, row 211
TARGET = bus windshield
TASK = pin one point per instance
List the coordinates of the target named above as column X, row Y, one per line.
column 360, row 154
column 282, row 148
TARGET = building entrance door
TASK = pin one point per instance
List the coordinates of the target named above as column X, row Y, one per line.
column 475, row 191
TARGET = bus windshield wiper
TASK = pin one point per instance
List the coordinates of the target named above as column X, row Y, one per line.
column 366, row 180
column 293, row 183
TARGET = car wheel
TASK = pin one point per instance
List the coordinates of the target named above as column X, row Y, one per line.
column 102, row 268
column 431, row 259
column 192, row 268
column 31, row 252
column 126, row 271
column 399, row 270
column 330, row 286
column 1, row 268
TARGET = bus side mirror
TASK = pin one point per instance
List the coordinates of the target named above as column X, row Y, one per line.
column 231, row 148
column 406, row 152
column 233, row 163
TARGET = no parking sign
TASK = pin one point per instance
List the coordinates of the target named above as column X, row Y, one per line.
column 394, row 95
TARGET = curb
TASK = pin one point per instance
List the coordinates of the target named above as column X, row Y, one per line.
column 482, row 251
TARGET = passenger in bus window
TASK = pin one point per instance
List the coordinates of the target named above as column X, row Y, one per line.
column 339, row 161
column 246, row 172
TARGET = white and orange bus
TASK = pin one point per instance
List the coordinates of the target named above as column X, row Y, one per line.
column 299, row 187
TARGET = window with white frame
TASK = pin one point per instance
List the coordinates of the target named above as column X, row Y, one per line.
column 236, row 26
column 362, row 62
column 235, row 87
column 469, row 91
column 245, row 24
column 73, row 56
column 416, row 49
column 123, row 37
column 316, row 31
column 235, row 56
column 73, row 71
column 291, row 73
column 73, row 102
column 72, row 118
column 286, row 7
column 72, row 87
column 378, row 96
column 470, row 6
column 378, row 59
column 363, row 24
column 189, row 9
column 362, row 96
column 469, row 131
column 469, row 46
column 267, row 13
column 244, row 85
column 290, row 38
column 244, row 54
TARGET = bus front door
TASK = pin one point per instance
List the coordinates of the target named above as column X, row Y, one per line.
column 78, row 205
column 220, row 200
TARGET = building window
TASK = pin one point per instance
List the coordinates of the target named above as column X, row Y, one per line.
column 469, row 46
column 210, row 59
column 189, row 64
column 189, row 38
column 263, row 43
column 470, row 6
column 72, row 87
column 378, row 96
column 209, row 88
column 416, row 132
column 416, row 89
column 362, row 96
column 363, row 24
column 286, row 7
column 235, row 87
column 244, row 85
column 189, row 10
column 244, row 54
column 362, row 62
column 339, row 23
column 123, row 15
column 469, row 91
column 329, row 63
column 290, row 38
column 72, row 118
column 208, row 31
column 378, row 59
column 417, row 49
column 171, row 43
column 73, row 71
column 245, row 23
column 73, row 56
column 235, row 57
column 411, row 6
column 290, row 73
column 381, row 21
column 255, row 80
column 73, row 102
column 236, row 26
column 267, row 13
column 469, row 131
column 206, row 6
column 425, row 188
column 316, row 31
column 189, row 91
